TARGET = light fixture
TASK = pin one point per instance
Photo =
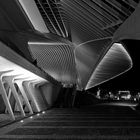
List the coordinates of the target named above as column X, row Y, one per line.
column 21, row 121
column 46, row 43
column 38, row 114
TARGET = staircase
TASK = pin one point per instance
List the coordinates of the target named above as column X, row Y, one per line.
column 99, row 123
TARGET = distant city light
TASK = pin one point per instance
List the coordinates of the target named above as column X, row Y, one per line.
column 43, row 112
column 21, row 121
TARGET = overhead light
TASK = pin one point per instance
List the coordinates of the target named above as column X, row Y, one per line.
column 46, row 43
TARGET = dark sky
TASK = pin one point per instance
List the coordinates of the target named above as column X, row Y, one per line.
column 131, row 79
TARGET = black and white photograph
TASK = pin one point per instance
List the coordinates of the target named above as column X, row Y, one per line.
column 69, row 69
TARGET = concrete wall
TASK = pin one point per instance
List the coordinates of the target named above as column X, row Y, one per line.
column 50, row 93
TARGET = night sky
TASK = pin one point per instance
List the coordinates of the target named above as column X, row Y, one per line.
column 131, row 79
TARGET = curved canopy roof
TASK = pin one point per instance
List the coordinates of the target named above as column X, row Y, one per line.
column 71, row 40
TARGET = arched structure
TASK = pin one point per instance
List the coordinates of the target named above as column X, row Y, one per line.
column 46, row 45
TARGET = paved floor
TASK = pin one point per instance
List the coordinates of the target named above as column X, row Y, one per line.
column 100, row 123
column 5, row 118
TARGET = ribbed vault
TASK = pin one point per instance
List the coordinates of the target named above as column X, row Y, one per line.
column 57, row 60
column 73, row 41
column 89, row 56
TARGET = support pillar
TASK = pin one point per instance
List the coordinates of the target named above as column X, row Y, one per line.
column 9, row 95
column 10, row 81
column 74, row 96
column 26, row 85
column 4, row 96
column 20, row 86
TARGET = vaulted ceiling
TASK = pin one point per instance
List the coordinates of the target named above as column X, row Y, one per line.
column 71, row 40
column 95, row 18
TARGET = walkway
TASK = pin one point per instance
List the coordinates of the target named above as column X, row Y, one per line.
column 99, row 123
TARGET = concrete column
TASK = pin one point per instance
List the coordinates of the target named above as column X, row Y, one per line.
column 20, row 86
column 4, row 96
column 36, row 95
column 74, row 96
column 10, row 81
column 9, row 95
column 26, row 85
